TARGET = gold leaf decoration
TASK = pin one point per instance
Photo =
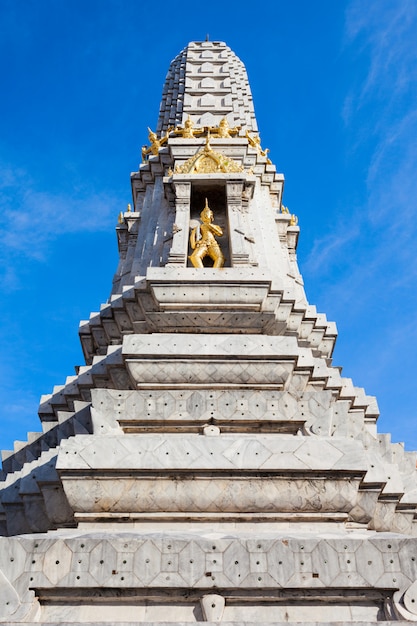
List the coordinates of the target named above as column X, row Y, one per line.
column 208, row 161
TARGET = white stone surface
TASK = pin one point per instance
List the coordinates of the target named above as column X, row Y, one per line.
column 208, row 463
column 266, row 570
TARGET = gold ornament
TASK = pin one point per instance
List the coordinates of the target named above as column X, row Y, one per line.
column 203, row 240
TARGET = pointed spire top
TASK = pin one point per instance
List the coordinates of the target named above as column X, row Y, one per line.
column 207, row 37
column 195, row 68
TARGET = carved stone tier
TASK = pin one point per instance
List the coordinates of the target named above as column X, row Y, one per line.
column 223, row 476
column 208, row 462
column 165, row 360
column 98, row 578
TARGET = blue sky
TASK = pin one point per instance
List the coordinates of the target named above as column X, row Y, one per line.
column 335, row 92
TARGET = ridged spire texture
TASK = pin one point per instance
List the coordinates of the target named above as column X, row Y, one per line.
column 207, row 82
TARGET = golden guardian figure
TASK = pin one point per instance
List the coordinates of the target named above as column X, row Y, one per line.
column 204, row 242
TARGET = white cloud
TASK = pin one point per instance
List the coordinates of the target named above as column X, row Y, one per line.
column 31, row 218
column 331, row 246
column 386, row 32
column 384, row 35
column 380, row 114
column 376, row 294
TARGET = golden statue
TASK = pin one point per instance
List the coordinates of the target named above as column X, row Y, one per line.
column 156, row 143
column 223, row 130
column 203, row 240
column 188, row 132
column 255, row 142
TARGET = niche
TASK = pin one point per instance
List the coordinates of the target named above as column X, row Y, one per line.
column 216, row 196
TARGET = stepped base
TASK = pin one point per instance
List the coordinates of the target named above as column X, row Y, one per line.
column 241, row 577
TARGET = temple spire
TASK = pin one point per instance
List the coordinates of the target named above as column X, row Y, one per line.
column 207, row 82
column 208, row 461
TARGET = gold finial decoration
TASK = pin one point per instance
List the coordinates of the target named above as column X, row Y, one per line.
column 255, row 142
column 223, row 130
column 208, row 161
column 206, row 213
column 120, row 218
column 156, row 144
column 129, row 207
column 188, row 132
column 203, row 240
column 293, row 220
column 284, row 209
